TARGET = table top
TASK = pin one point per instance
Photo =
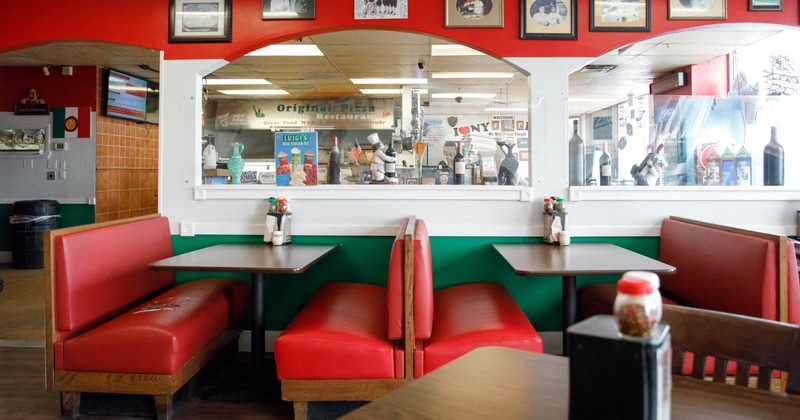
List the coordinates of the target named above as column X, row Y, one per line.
column 577, row 259
column 284, row 259
column 503, row 383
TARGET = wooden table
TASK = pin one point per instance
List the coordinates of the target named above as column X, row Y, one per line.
column 256, row 259
column 502, row 383
column 574, row 260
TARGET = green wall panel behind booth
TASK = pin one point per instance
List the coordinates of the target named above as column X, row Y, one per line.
column 71, row 215
column 456, row 260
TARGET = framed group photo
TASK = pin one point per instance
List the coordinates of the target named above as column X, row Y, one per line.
column 619, row 16
column 288, row 9
column 200, row 20
column 764, row 5
column 473, row 13
column 548, row 19
column 698, row 9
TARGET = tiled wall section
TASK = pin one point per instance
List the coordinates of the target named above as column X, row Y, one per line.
column 127, row 167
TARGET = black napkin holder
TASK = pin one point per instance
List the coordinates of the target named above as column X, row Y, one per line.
column 624, row 377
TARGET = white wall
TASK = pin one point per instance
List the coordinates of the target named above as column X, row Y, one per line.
column 467, row 211
column 24, row 176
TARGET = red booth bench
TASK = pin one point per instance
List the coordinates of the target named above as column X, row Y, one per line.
column 356, row 342
column 720, row 268
column 113, row 326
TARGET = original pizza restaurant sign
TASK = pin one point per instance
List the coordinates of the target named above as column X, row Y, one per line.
column 267, row 114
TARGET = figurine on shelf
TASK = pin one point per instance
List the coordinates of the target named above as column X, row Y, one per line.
column 32, row 98
column 379, row 160
column 649, row 171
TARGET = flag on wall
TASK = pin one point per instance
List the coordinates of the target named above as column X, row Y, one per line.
column 355, row 151
column 72, row 122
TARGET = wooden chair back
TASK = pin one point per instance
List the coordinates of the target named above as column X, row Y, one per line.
column 747, row 341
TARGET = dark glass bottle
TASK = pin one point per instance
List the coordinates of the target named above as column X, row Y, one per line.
column 577, row 155
column 459, row 166
column 391, row 167
column 773, row 160
column 605, row 166
column 335, row 163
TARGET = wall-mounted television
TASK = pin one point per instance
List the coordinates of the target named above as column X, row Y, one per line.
column 129, row 97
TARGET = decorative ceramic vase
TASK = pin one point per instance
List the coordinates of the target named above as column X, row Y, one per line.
column 509, row 165
column 236, row 163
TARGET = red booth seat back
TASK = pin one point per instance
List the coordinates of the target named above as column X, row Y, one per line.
column 719, row 270
column 394, row 285
column 93, row 285
column 423, row 282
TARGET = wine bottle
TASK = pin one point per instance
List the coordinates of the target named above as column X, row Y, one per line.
column 577, row 156
column 773, row 160
column 605, row 166
column 391, row 167
column 744, row 165
column 459, row 166
column 334, row 163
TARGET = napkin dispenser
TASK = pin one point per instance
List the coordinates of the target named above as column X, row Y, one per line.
column 281, row 222
column 624, row 377
column 553, row 222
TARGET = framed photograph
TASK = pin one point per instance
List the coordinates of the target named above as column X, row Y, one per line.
column 200, row 21
column 620, row 16
column 380, row 9
column 764, row 5
column 495, row 125
column 473, row 13
column 698, row 9
column 548, row 19
column 288, row 9
column 521, row 125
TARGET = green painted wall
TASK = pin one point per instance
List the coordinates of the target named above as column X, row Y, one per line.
column 456, row 260
column 71, row 215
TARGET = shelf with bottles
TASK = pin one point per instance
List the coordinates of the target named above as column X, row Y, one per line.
column 708, row 141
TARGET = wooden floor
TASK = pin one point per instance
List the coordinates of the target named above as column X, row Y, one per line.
column 22, row 388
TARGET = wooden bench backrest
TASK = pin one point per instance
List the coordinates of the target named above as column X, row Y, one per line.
column 705, row 275
column 100, row 278
column 748, row 341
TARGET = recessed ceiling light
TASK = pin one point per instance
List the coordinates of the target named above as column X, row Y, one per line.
column 473, row 75
column 494, row 109
column 388, row 91
column 217, row 82
column 390, row 81
column 254, row 92
column 463, row 95
column 304, row 50
column 452, row 49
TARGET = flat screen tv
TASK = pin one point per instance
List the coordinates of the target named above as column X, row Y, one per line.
column 129, row 97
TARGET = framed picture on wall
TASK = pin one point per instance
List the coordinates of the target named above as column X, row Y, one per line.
column 288, row 9
column 199, row 21
column 620, row 16
column 697, row 9
column 764, row 5
column 548, row 19
column 473, row 13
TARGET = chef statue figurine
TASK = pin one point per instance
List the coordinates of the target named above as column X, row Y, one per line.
column 379, row 160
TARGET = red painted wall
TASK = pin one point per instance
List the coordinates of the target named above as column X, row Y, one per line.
column 711, row 77
column 58, row 90
column 145, row 22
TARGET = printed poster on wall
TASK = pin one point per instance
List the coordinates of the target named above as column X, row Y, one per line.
column 296, row 158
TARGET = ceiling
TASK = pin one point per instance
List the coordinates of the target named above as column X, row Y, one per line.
column 375, row 53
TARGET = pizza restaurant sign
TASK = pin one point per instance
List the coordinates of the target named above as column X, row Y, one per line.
column 351, row 114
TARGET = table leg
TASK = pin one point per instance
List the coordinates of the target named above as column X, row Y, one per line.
column 569, row 309
column 257, row 323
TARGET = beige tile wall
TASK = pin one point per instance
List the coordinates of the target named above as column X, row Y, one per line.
column 127, row 167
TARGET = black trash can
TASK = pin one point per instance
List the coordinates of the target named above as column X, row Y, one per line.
column 29, row 220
